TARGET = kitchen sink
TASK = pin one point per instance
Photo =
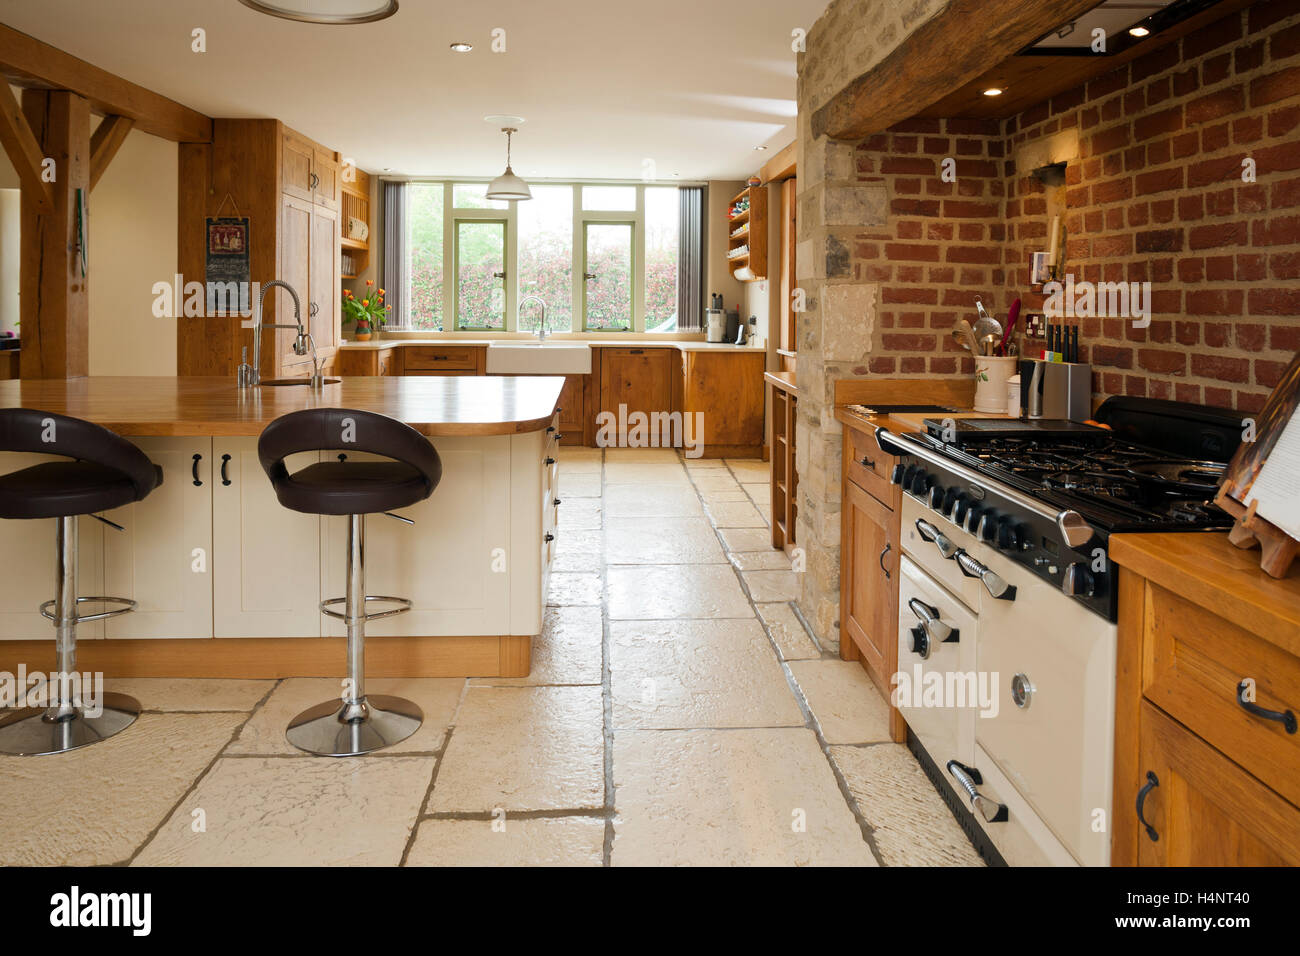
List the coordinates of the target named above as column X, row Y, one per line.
column 539, row 358
column 296, row 381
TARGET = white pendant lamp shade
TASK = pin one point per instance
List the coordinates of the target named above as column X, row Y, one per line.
column 326, row 11
column 508, row 186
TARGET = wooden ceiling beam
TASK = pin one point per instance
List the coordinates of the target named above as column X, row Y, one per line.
column 24, row 151
column 27, row 62
column 104, row 144
column 782, row 165
column 947, row 51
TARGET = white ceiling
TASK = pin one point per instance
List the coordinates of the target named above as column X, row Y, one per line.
column 693, row 85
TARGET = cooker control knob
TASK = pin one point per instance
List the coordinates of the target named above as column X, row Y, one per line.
column 989, row 527
column 920, row 483
column 961, row 505
column 936, row 498
column 896, row 476
column 950, row 497
column 1008, row 535
column 1078, row 580
column 973, row 518
column 920, row 643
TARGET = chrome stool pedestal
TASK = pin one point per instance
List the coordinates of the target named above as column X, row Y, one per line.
column 356, row 723
column 67, row 723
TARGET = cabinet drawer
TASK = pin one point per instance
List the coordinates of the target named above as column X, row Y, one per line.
column 1197, row 659
column 868, row 467
column 432, row 358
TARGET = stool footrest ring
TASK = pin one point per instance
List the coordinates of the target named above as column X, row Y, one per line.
column 405, row 606
column 78, row 618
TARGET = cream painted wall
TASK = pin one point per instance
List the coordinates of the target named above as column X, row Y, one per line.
column 717, row 277
column 132, row 215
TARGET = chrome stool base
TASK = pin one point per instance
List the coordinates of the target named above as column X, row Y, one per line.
column 340, row 728
column 32, row 732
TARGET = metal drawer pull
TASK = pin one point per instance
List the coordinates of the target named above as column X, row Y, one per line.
column 882, row 560
column 194, row 470
column 992, row 582
column 968, row 778
column 225, row 461
column 866, row 462
column 930, row 533
column 1284, row 717
column 550, row 461
column 549, row 537
column 1152, row 783
column 929, row 618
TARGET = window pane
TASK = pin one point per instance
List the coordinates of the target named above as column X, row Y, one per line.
column 480, row 260
column 546, row 258
column 661, row 256
column 424, row 244
column 621, row 198
column 609, row 259
column 474, row 196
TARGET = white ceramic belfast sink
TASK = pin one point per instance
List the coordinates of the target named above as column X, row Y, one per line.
column 539, row 358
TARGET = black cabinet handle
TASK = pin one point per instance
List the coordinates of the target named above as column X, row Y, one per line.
column 550, row 461
column 888, row 546
column 1151, row 784
column 225, row 478
column 194, row 470
column 867, row 462
column 549, row 536
column 557, row 502
column 637, row 352
column 550, row 428
column 1284, row 717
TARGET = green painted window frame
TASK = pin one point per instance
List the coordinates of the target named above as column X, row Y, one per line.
column 504, row 223
column 633, row 286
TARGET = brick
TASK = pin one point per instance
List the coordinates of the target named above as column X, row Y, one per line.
column 911, row 364
column 1188, row 81
column 1221, row 203
column 1191, row 270
column 1217, row 334
column 909, row 296
column 1275, row 86
column 1112, row 246
column 1248, row 57
column 1159, row 180
column 1159, row 90
column 938, row 231
column 1111, row 356
column 1216, row 69
column 1284, row 338
column 1160, row 152
column 1220, row 367
column 901, row 165
column 957, row 209
column 1211, row 171
column 1251, row 266
column 970, row 231
column 942, row 365
column 1247, row 129
column 974, row 254
column 1283, row 121
column 1275, row 301
column 1269, row 373
column 907, row 187
column 1160, row 240
column 909, row 252
column 1116, row 137
column 1215, row 105
column 1158, row 61
column 882, row 365
column 1215, row 301
column 1221, row 268
column 1282, row 265
column 904, row 144
column 916, row 125
column 1215, row 138
column 1208, row 38
column 914, row 207
column 1185, row 144
column 1284, row 43
column 1191, row 208
column 1218, row 235
column 908, row 342
column 1159, row 123
column 1184, row 392
column 1218, row 397
column 1279, row 231
column 1162, row 361
column 908, row 230
column 970, row 147
column 1251, row 337
column 1116, row 190
column 983, row 168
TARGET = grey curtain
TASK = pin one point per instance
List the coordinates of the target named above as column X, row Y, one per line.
column 396, row 273
column 690, row 272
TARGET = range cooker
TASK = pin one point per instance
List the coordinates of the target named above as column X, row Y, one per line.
column 1005, row 586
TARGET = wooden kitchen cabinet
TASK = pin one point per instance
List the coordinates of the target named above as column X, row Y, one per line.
column 383, row 361
column 869, row 585
column 1197, row 618
column 638, row 378
column 308, row 171
column 784, row 401
column 163, row 560
column 725, row 391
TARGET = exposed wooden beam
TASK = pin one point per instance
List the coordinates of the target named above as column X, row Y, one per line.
column 108, row 139
column 24, row 152
column 52, row 285
column 948, row 50
column 782, row 165
column 28, row 62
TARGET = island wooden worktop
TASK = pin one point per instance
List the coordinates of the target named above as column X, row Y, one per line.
column 171, row 406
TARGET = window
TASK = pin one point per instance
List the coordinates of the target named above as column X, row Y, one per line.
column 424, row 245
column 607, row 295
column 473, row 261
column 546, row 258
column 480, row 273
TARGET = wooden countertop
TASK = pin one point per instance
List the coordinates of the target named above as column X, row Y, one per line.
column 682, row 345
column 1206, row 570
column 782, row 380
column 158, row 405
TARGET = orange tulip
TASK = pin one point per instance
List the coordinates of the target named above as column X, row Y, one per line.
column 370, row 282
column 381, row 291
column 365, row 301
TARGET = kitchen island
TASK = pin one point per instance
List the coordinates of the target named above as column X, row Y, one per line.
column 229, row 582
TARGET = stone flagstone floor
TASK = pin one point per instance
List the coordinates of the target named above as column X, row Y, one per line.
column 677, row 713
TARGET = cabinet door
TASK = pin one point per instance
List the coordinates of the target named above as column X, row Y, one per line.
column 265, row 558
column 295, row 268
column 637, row 378
column 571, row 413
column 323, row 306
column 162, row 560
column 727, row 389
column 325, row 181
column 868, row 582
column 1206, row 810
column 28, row 546
column 296, row 155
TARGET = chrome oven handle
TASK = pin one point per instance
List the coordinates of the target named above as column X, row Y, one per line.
column 932, row 534
column 992, row 581
column 969, row 779
column 939, row 631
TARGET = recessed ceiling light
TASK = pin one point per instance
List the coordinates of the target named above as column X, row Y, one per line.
column 993, row 91
column 461, row 46
column 326, row 11
column 1139, row 31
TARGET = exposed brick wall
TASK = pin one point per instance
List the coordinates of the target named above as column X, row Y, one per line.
column 1156, row 194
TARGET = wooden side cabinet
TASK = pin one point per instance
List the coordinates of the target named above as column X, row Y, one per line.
column 783, row 399
column 1207, row 753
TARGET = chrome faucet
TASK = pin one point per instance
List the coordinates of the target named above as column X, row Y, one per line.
column 541, row 326
column 301, row 344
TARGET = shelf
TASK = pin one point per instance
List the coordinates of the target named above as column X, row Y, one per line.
column 353, row 243
column 753, row 235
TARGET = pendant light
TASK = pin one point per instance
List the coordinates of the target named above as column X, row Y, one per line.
column 326, row 11
column 508, row 186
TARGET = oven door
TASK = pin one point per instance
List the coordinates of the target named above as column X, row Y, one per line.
column 936, row 666
column 1053, row 732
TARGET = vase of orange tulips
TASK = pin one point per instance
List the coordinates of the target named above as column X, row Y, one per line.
column 369, row 313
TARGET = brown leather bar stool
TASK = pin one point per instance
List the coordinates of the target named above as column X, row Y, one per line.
column 356, row 723
column 103, row 471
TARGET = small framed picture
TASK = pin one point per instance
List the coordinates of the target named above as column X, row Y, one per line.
column 1039, row 270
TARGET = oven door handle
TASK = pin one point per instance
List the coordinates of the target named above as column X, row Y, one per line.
column 938, row 631
column 969, row 779
column 1076, row 532
column 992, row 581
column 932, row 534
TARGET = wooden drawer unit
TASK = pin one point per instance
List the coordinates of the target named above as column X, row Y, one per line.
column 460, row 359
column 868, row 467
column 370, row 361
column 1198, row 659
